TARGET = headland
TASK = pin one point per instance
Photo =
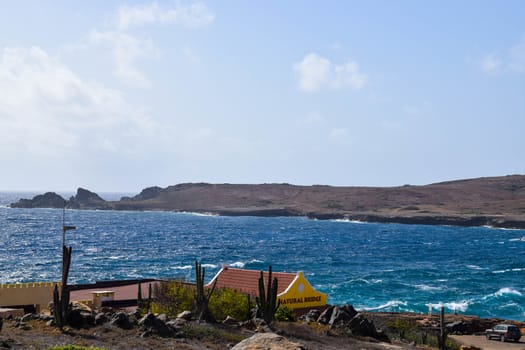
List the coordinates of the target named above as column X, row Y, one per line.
column 490, row 201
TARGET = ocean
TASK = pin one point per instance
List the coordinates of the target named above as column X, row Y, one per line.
column 378, row 267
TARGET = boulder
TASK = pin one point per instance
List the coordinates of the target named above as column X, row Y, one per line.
column 79, row 318
column 121, row 320
column 311, row 316
column 267, row 341
column 156, row 325
column 26, row 317
column 187, row 315
column 341, row 315
column 101, row 318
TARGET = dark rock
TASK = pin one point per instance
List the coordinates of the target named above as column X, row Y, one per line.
column 46, row 200
column 147, row 193
column 177, row 324
column 157, row 326
column 121, row 319
column 45, row 317
column 341, row 315
column 101, row 318
column 311, row 316
column 187, row 315
column 326, row 315
column 85, row 199
column 359, row 325
column 458, row 327
column 79, row 318
column 26, row 318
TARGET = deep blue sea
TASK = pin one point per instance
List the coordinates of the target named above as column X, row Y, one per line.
column 383, row 267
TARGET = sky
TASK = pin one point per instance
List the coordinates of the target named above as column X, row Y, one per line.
column 116, row 96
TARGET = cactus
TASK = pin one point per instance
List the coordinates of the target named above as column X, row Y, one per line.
column 61, row 303
column 149, row 299
column 140, row 301
column 201, row 297
column 267, row 302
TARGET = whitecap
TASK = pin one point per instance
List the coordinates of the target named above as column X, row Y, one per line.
column 209, row 266
column 349, row 221
column 427, row 288
column 389, row 304
column 185, row 267
column 254, row 261
column 457, row 306
column 239, row 264
column 199, row 214
column 474, row 267
column 507, row 290
column 461, row 306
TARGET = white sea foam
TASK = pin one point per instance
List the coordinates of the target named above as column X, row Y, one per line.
column 254, row 261
column 349, row 221
column 427, row 288
column 238, row 264
column 506, row 290
column 185, row 267
column 460, row 306
column 199, row 214
column 209, row 266
column 474, row 267
column 390, row 304
column 457, row 306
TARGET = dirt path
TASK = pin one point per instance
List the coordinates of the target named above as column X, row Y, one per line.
column 481, row 342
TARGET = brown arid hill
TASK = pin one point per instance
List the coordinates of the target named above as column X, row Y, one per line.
column 493, row 201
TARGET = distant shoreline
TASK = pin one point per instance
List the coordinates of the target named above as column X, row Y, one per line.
column 496, row 202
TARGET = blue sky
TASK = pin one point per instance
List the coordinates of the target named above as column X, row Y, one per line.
column 118, row 96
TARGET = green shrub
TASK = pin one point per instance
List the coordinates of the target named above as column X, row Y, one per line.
column 173, row 297
column 284, row 313
column 228, row 302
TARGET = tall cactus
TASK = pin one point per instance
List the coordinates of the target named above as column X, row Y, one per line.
column 61, row 303
column 201, row 297
column 267, row 302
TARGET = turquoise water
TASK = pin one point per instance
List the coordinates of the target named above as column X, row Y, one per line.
column 383, row 267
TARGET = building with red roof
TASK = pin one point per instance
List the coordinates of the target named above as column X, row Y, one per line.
column 293, row 289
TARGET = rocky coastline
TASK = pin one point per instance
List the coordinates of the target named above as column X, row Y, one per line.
column 496, row 201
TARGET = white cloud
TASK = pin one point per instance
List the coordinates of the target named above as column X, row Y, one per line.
column 126, row 51
column 513, row 60
column 48, row 110
column 491, row 63
column 192, row 15
column 316, row 73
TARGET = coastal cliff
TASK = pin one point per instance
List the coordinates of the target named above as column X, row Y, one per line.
column 492, row 201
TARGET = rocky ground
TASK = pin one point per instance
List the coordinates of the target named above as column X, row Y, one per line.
column 336, row 328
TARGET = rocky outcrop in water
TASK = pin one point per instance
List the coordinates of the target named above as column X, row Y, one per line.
column 46, row 200
column 85, row 199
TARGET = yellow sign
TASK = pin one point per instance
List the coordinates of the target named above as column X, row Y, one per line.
column 300, row 294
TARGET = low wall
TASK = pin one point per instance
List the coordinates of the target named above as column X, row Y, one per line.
column 17, row 294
